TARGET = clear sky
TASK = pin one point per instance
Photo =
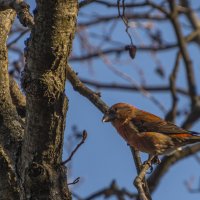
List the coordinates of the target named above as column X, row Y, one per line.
column 105, row 156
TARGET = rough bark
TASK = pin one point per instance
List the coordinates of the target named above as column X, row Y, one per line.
column 18, row 98
column 11, row 126
column 22, row 10
column 44, row 80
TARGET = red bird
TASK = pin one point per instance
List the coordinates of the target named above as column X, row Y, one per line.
column 147, row 132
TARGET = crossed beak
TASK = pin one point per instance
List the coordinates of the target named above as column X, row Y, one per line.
column 108, row 117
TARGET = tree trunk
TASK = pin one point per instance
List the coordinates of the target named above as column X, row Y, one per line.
column 31, row 163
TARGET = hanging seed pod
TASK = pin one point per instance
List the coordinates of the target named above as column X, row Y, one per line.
column 159, row 70
column 132, row 50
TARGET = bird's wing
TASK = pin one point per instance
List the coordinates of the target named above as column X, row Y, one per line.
column 147, row 122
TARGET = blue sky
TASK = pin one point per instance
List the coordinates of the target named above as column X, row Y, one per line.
column 105, row 156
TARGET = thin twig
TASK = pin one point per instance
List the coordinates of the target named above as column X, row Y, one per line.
column 84, row 136
column 134, row 83
column 172, row 113
column 75, row 181
column 85, row 3
column 128, row 87
column 124, row 18
column 189, row 186
column 112, row 190
column 18, row 37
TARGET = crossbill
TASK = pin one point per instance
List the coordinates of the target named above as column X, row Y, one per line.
column 147, row 132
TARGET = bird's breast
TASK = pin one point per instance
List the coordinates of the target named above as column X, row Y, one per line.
column 125, row 130
column 149, row 142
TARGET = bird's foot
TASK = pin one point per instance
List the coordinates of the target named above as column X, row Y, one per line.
column 152, row 160
column 150, row 170
column 150, row 166
column 156, row 160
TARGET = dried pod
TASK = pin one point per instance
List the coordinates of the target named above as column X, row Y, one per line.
column 132, row 50
column 160, row 71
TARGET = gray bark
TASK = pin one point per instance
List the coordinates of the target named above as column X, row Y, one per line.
column 31, row 153
column 11, row 127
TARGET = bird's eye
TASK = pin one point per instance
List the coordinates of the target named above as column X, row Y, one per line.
column 112, row 111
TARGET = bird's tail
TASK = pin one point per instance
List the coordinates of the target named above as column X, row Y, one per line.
column 195, row 133
column 194, row 138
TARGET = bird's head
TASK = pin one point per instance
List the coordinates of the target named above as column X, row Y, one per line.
column 119, row 111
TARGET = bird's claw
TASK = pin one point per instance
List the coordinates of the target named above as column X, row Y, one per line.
column 150, row 166
column 150, row 170
column 155, row 160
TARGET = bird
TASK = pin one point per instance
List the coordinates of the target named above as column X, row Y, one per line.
column 147, row 132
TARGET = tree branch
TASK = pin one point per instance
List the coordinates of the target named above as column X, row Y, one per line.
column 11, row 127
column 22, row 10
column 127, row 87
column 172, row 113
column 84, row 136
column 167, row 162
column 9, row 185
column 85, row 91
column 18, row 99
column 141, row 183
column 184, row 52
column 112, row 190
column 192, row 18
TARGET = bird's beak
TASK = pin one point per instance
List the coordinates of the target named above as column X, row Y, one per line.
column 108, row 117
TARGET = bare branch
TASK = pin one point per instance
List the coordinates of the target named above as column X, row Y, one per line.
column 17, row 38
column 192, row 18
column 9, row 184
column 109, row 18
column 115, row 5
column 143, row 191
column 75, row 181
column 119, row 50
column 112, row 190
column 140, row 183
column 84, row 136
column 172, row 113
column 128, row 78
column 85, row 91
column 128, row 87
column 124, row 18
column 85, row 3
column 22, row 10
column 189, row 187
column 18, row 98
column 167, row 162
column 193, row 116
column 184, row 52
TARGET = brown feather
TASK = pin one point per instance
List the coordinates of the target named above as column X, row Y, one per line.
column 147, row 132
column 150, row 122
